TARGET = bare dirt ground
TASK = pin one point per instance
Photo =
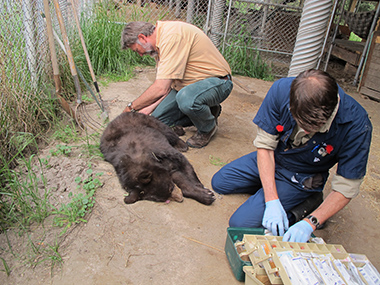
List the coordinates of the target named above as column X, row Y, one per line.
column 183, row 243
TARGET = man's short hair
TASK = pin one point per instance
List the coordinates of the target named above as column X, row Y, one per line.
column 129, row 36
column 313, row 98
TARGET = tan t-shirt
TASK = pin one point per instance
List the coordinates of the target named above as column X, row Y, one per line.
column 186, row 54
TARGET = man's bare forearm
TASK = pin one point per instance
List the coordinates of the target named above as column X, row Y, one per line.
column 159, row 89
column 333, row 203
column 149, row 109
column 266, row 166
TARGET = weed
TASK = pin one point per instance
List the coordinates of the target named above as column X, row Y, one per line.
column 45, row 161
column 89, row 183
column 50, row 253
column 66, row 133
column 25, row 194
column 80, row 204
column 87, row 99
column 74, row 212
column 216, row 161
column 102, row 35
column 244, row 59
column 54, row 256
column 93, row 149
column 6, row 269
column 61, row 150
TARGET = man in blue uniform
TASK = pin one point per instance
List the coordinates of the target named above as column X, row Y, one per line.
column 306, row 125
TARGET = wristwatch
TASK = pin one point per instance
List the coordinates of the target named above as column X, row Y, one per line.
column 131, row 107
column 313, row 220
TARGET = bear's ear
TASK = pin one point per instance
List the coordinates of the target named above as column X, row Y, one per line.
column 112, row 133
column 145, row 177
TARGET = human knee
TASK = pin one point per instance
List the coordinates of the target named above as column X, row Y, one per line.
column 218, row 184
column 238, row 221
column 184, row 101
column 235, row 222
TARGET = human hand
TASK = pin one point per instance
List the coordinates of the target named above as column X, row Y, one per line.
column 299, row 232
column 126, row 110
column 275, row 218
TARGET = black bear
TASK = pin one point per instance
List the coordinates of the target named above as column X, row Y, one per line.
column 147, row 159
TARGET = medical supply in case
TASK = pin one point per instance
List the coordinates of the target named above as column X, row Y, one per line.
column 277, row 262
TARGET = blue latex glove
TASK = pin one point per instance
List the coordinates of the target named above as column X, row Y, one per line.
column 299, row 232
column 275, row 218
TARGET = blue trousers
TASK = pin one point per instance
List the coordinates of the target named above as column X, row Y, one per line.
column 242, row 176
column 191, row 105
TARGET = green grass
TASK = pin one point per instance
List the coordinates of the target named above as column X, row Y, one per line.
column 6, row 269
column 216, row 161
column 81, row 204
column 74, row 211
column 102, row 34
column 23, row 195
column 245, row 60
column 26, row 199
column 69, row 133
column 52, row 255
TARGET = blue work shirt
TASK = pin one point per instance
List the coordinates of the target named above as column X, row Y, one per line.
column 347, row 142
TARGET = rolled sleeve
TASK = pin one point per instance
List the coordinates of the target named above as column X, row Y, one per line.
column 349, row 188
column 265, row 140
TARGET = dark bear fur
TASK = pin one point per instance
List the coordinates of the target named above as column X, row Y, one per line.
column 145, row 155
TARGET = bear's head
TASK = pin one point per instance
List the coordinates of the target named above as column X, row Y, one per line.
column 144, row 178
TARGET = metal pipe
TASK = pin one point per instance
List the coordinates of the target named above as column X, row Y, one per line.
column 190, row 11
column 310, row 35
column 364, row 54
column 217, row 22
column 262, row 29
column 207, row 28
column 334, row 35
column 327, row 33
column 227, row 23
column 29, row 40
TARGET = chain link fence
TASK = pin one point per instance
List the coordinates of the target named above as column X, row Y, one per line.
column 26, row 81
column 267, row 27
column 24, row 56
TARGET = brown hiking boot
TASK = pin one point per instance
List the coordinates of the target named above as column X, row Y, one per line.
column 199, row 140
column 178, row 130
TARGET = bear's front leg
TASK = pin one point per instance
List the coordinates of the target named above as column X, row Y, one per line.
column 192, row 188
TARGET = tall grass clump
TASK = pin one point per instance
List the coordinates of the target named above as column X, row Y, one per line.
column 102, row 32
column 26, row 102
column 23, row 195
column 244, row 59
column 101, row 28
